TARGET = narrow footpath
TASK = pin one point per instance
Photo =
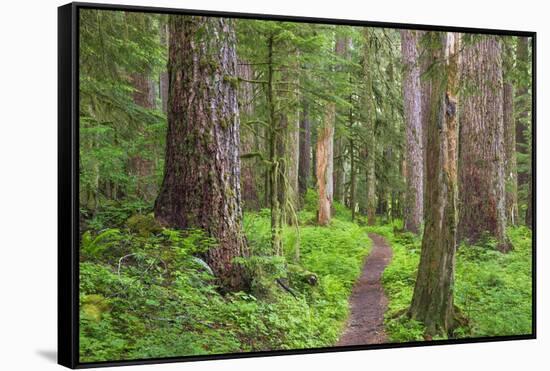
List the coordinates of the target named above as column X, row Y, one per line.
column 368, row 302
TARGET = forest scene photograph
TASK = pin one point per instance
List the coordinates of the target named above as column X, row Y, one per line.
column 258, row 185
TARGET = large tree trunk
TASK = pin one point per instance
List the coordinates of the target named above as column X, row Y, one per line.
column 432, row 302
column 414, row 198
column 481, row 157
column 201, row 186
column 304, row 166
column 370, row 119
column 324, row 170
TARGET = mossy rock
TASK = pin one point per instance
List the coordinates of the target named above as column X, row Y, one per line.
column 143, row 225
column 300, row 276
column 93, row 306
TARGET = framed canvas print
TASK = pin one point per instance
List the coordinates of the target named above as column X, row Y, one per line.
column 237, row 185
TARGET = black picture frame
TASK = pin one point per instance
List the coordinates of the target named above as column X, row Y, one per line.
column 68, row 182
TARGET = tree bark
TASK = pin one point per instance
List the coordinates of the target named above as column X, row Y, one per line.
column 432, row 302
column 341, row 49
column 370, row 119
column 414, row 199
column 511, row 176
column 276, row 168
column 522, row 145
column 140, row 166
column 425, row 88
column 201, row 186
column 481, row 156
column 251, row 198
column 353, row 179
column 163, row 80
column 324, row 170
column 304, row 165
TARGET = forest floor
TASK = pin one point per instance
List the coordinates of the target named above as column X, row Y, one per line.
column 368, row 303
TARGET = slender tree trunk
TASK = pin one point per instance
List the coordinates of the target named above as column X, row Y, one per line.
column 201, row 186
column 304, row 166
column 276, row 195
column 353, row 170
column 281, row 154
column 432, row 302
column 425, row 88
column 292, row 145
column 251, row 198
column 140, row 166
column 339, row 173
column 522, row 145
column 324, row 171
column 353, row 179
column 163, row 83
column 529, row 210
column 293, row 163
column 341, row 49
column 482, row 156
column 414, row 198
column 370, row 118
column 511, row 176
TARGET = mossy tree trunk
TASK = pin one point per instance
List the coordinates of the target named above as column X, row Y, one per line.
column 432, row 302
column 250, row 195
column 201, row 186
column 370, row 134
column 482, row 150
column 414, row 197
column 304, row 165
column 522, row 104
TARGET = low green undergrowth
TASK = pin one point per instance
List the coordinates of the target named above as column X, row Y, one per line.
column 145, row 293
column 492, row 290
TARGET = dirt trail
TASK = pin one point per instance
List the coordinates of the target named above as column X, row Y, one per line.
column 368, row 302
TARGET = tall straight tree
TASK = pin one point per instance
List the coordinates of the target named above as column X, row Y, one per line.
column 522, row 104
column 325, row 154
column 510, row 168
column 201, row 186
column 144, row 95
column 482, row 155
column 426, row 89
column 414, row 197
column 304, row 165
column 325, row 164
column 369, row 122
column 339, row 175
column 432, row 302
